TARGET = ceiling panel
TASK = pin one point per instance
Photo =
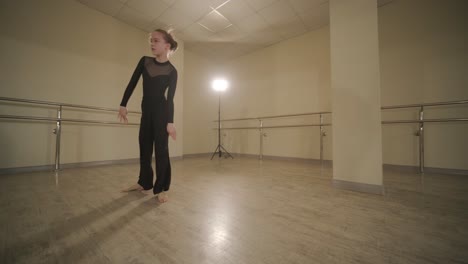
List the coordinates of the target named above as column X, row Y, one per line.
column 156, row 24
column 230, row 34
column 214, row 21
column 278, row 13
column 194, row 9
column 222, row 29
column 150, row 8
column 253, row 24
column 315, row 17
column 265, row 37
column 175, row 19
column 197, row 33
column 302, row 5
column 259, row 4
column 236, row 10
column 109, row 7
column 215, row 4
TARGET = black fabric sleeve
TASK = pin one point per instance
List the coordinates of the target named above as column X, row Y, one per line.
column 133, row 82
column 170, row 96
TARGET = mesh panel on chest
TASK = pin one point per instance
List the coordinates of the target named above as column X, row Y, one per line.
column 155, row 69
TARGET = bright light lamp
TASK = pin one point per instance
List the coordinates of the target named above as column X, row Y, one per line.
column 220, row 85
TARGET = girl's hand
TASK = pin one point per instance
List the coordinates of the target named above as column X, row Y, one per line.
column 122, row 116
column 171, row 130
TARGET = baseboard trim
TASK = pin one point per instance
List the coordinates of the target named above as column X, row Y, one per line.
column 98, row 163
column 359, row 187
column 401, row 168
column 315, row 161
column 432, row 170
column 445, row 171
column 18, row 170
column 73, row 165
column 174, row 158
column 269, row 157
column 197, row 155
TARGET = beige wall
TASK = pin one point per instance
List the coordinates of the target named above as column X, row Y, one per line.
column 291, row 77
column 200, row 105
column 62, row 51
column 287, row 78
column 422, row 58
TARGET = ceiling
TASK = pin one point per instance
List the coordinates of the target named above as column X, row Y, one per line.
column 221, row 29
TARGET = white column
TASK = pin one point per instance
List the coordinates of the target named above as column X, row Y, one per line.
column 355, row 82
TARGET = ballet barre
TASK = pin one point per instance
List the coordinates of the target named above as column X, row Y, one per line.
column 420, row 133
column 261, row 127
column 421, row 121
column 59, row 120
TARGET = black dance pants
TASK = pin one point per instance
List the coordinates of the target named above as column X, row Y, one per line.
column 153, row 133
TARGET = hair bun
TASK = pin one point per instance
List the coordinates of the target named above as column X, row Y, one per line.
column 169, row 38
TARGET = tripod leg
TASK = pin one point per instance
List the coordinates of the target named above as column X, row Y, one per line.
column 227, row 152
column 216, row 150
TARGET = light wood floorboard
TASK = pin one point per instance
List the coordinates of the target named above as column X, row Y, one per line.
column 231, row 211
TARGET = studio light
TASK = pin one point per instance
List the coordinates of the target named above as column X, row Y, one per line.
column 220, row 85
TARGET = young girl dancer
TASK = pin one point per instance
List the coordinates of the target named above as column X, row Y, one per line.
column 157, row 119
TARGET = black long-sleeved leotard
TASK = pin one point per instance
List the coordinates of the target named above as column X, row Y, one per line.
column 157, row 77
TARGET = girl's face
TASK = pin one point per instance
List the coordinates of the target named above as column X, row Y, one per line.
column 158, row 45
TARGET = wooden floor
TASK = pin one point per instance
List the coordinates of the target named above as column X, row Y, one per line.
column 231, row 211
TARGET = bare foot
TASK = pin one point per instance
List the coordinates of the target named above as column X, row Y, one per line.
column 135, row 187
column 162, row 197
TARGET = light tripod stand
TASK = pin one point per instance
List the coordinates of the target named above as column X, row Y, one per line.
column 220, row 86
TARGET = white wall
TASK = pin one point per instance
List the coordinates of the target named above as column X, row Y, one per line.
column 423, row 58
column 62, row 51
